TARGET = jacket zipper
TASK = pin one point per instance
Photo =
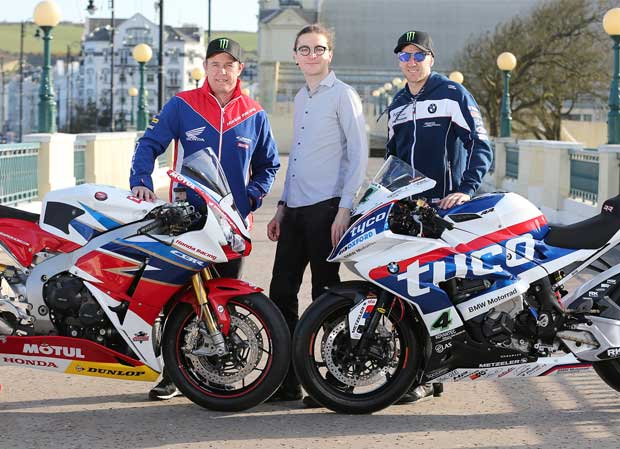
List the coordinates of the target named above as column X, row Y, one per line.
column 413, row 106
column 449, row 178
column 221, row 130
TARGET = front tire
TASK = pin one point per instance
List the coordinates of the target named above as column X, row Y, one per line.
column 609, row 371
column 324, row 365
column 252, row 370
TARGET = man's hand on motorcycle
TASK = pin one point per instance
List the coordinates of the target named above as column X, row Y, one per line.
column 340, row 224
column 144, row 193
column 454, row 199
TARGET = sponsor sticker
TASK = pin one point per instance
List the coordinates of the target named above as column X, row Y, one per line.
column 101, row 196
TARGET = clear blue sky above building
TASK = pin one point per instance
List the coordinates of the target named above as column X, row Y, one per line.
column 225, row 14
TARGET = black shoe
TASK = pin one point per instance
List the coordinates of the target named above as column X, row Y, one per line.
column 417, row 394
column 164, row 390
column 286, row 395
column 310, row 402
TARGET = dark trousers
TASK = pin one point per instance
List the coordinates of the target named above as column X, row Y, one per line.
column 305, row 238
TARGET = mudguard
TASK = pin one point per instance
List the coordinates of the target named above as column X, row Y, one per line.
column 219, row 292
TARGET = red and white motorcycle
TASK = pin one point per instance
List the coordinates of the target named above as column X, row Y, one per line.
column 85, row 284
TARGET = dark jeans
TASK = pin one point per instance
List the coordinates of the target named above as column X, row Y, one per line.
column 305, row 237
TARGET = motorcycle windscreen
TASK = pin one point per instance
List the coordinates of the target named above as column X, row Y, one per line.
column 395, row 180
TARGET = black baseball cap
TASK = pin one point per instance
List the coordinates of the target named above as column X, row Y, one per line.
column 225, row 45
column 420, row 39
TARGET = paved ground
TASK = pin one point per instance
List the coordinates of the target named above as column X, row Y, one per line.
column 41, row 410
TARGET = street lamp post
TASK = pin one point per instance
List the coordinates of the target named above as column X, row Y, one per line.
column 142, row 53
column 197, row 74
column 457, row 77
column 133, row 92
column 506, row 62
column 611, row 24
column 47, row 16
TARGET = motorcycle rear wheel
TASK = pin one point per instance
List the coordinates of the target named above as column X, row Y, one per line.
column 257, row 362
column 324, row 365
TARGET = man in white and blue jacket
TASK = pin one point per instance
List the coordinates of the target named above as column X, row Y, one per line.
column 435, row 125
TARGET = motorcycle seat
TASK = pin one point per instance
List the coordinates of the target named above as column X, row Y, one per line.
column 588, row 234
column 17, row 214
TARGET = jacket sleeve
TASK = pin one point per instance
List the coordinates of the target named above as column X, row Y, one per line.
column 353, row 125
column 264, row 165
column 163, row 128
column 470, row 129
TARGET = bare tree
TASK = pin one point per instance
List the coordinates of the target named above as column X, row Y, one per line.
column 563, row 55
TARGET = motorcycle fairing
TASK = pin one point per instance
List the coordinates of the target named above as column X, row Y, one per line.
column 72, row 356
column 20, row 240
column 96, row 209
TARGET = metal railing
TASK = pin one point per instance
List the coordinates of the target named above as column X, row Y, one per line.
column 512, row 161
column 584, row 167
column 19, row 172
column 79, row 162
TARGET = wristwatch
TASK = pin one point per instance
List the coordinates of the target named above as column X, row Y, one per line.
column 281, row 203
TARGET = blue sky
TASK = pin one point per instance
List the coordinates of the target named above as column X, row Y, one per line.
column 225, row 14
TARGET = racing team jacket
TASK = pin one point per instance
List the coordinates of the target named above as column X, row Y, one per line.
column 440, row 132
column 239, row 133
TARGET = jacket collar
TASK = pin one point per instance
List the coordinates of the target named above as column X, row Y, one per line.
column 206, row 89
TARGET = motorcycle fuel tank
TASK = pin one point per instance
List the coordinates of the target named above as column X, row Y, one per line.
column 83, row 212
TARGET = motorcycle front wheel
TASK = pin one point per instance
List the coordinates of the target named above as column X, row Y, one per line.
column 254, row 366
column 345, row 380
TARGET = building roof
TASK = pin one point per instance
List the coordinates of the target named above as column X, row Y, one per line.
column 267, row 15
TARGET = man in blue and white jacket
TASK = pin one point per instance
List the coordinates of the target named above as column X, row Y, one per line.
column 435, row 125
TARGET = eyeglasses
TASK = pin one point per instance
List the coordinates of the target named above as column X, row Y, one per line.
column 304, row 50
column 418, row 56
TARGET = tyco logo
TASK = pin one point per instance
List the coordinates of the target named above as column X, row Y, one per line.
column 223, row 43
column 410, row 35
column 360, row 228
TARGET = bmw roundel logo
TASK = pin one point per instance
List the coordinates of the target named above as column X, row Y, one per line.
column 432, row 108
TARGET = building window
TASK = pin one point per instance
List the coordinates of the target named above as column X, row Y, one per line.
column 137, row 36
column 150, row 78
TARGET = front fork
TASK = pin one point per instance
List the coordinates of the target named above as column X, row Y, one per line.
column 384, row 304
column 212, row 334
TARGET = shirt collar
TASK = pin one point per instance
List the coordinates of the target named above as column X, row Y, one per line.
column 328, row 81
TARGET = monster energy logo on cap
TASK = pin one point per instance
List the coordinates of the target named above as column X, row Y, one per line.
column 420, row 39
column 225, row 45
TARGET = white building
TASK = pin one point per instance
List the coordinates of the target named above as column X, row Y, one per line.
column 184, row 49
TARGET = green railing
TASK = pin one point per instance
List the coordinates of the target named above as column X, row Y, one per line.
column 584, row 175
column 512, row 161
column 18, row 172
column 79, row 167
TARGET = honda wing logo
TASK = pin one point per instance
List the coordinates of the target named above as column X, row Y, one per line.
column 192, row 134
column 223, row 43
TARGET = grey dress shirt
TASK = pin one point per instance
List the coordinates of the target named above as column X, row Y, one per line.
column 330, row 147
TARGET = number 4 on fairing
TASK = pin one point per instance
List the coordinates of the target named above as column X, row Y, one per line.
column 443, row 322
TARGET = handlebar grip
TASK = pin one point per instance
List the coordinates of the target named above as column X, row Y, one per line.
column 149, row 227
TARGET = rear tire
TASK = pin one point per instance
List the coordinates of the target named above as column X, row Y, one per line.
column 609, row 371
column 258, row 360
column 328, row 373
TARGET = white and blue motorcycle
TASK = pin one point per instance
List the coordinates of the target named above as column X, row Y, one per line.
column 473, row 292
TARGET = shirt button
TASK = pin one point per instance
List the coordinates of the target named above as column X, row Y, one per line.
column 298, row 143
column 293, row 176
column 303, row 127
column 306, row 112
column 295, row 159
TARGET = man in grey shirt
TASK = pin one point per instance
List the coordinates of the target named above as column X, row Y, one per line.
column 327, row 165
